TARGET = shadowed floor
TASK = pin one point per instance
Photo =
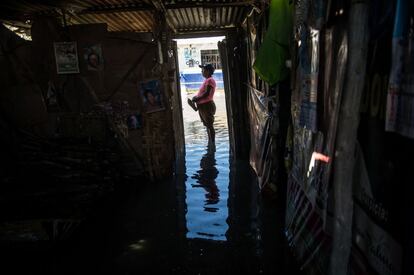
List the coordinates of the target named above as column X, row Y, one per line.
column 212, row 220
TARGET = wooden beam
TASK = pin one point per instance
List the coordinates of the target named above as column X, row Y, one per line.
column 118, row 8
column 204, row 32
column 192, row 4
column 358, row 33
column 159, row 5
column 18, row 24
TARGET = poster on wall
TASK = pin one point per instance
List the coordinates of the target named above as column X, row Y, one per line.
column 400, row 98
column 93, row 57
column 151, row 93
column 66, row 56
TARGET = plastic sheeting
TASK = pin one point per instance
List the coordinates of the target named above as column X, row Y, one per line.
column 308, row 226
column 261, row 121
column 305, row 209
column 309, row 69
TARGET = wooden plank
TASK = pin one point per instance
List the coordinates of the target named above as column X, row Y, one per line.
column 204, row 4
column 178, row 118
column 134, row 65
column 227, row 90
column 117, row 8
column 346, row 138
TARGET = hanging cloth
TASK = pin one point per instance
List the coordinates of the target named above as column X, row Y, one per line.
column 270, row 63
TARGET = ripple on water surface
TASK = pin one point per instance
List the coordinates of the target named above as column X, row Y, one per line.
column 207, row 169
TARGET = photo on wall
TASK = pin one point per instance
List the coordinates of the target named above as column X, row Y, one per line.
column 151, row 93
column 66, row 55
column 93, row 57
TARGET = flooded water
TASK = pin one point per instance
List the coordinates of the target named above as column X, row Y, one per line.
column 207, row 170
column 213, row 220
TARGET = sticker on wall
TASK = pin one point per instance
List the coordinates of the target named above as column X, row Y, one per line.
column 134, row 122
column 51, row 98
column 93, row 57
column 66, row 56
column 151, row 93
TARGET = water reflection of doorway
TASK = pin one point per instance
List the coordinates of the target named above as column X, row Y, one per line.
column 208, row 176
column 207, row 169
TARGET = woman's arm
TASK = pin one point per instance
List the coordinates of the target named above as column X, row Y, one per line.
column 203, row 95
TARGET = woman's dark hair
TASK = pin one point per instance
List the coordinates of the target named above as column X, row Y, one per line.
column 208, row 67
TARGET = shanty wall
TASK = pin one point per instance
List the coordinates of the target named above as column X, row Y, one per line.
column 382, row 194
column 232, row 51
column 93, row 104
column 267, row 116
column 349, row 207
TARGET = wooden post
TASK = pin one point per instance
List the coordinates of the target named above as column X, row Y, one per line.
column 177, row 110
column 228, row 90
column 346, row 137
column 236, row 94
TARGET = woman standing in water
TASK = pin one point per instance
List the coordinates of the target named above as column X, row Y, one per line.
column 205, row 103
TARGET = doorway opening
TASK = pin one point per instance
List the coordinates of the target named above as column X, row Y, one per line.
column 206, row 185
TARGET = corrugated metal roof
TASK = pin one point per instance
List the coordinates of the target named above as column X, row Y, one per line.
column 137, row 16
column 141, row 21
column 189, row 19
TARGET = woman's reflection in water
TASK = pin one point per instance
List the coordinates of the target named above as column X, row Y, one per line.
column 206, row 178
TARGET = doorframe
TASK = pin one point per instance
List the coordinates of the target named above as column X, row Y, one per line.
column 177, row 112
column 235, row 96
column 234, row 62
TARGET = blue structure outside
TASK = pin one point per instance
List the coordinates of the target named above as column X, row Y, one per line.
column 193, row 80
